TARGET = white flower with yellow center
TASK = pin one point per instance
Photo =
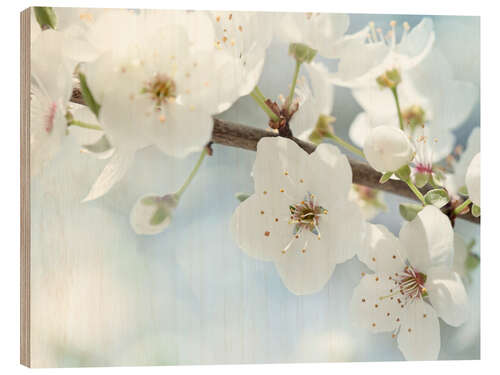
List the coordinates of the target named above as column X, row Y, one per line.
column 157, row 85
column 299, row 216
column 321, row 32
column 413, row 284
column 50, row 93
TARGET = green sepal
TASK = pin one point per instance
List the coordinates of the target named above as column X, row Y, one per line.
column 421, row 179
column 385, row 177
column 302, row 52
column 409, row 210
column 46, row 17
column 476, row 211
column 437, row 197
column 159, row 216
column 404, row 173
column 437, row 178
column 87, row 95
column 463, row 191
column 242, row 196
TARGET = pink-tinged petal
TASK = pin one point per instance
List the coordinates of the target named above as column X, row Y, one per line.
column 447, row 295
column 428, row 239
column 112, row 173
column 419, row 338
column 381, row 250
column 374, row 303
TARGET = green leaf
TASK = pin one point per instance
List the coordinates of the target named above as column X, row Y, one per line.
column 242, row 196
column 404, row 173
column 159, row 216
column 472, row 262
column 437, row 197
column 87, row 95
column 149, row 201
column 385, row 177
column 421, row 179
column 46, row 17
column 476, row 211
column 409, row 210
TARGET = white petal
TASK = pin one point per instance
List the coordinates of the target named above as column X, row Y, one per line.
column 360, row 128
column 460, row 256
column 473, row 180
column 381, row 250
column 322, row 89
column 306, row 272
column 428, row 239
column 113, row 172
column 447, row 295
column 256, row 230
column 419, row 42
column 419, row 337
column 374, row 305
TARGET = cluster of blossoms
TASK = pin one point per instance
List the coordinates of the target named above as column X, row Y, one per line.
column 158, row 78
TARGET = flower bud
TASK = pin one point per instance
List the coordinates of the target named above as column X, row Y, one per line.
column 387, row 149
column 473, row 180
column 301, row 52
column 391, row 78
column 151, row 214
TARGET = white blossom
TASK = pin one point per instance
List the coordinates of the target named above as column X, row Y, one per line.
column 322, row 32
column 382, row 53
column 387, row 149
column 473, row 180
column 50, row 93
column 156, row 84
column 413, row 284
column 299, row 216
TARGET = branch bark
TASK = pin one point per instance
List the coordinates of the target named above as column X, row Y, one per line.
column 246, row 137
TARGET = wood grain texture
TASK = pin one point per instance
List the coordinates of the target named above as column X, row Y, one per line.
column 25, row 350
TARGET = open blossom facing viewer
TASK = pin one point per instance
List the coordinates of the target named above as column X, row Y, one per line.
column 299, row 216
column 413, row 284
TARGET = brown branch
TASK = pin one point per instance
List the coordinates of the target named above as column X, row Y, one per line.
column 246, row 137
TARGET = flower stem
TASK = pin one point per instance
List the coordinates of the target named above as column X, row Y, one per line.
column 85, row 125
column 416, row 191
column 396, row 99
column 183, row 188
column 458, row 210
column 346, row 145
column 294, row 81
column 259, row 98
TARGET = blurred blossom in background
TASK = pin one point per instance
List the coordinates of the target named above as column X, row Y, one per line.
column 103, row 295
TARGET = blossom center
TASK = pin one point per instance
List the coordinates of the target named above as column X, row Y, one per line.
column 161, row 89
column 411, row 283
column 306, row 215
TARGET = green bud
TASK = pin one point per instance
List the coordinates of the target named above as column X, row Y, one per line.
column 46, row 17
column 301, row 52
column 437, row 197
column 409, row 211
column 391, row 79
